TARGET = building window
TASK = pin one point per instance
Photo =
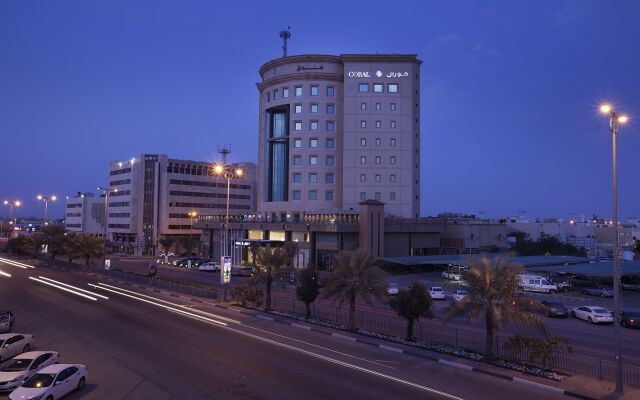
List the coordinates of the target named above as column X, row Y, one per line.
column 331, row 108
column 378, row 124
column 363, row 159
column 363, row 106
column 298, row 90
column 329, row 161
column 392, row 178
column 378, row 178
column 363, row 196
column 328, row 178
column 313, row 195
column 377, row 196
column 392, row 124
column 378, row 160
column 314, row 107
column 314, row 90
column 331, row 126
column 297, row 160
column 392, row 106
column 363, row 141
column 377, row 88
column 392, row 88
column 392, row 196
column 313, row 125
column 297, row 178
column 313, row 142
column 313, row 178
column 297, row 125
column 331, row 91
column 378, row 107
column 392, row 160
column 363, row 124
column 392, row 142
column 331, row 143
column 363, row 178
column 378, row 141
column 363, row 87
column 328, row 195
column 298, row 108
column 313, row 160
column 297, row 143
column 275, row 94
column 285, row 92
column 296, row 195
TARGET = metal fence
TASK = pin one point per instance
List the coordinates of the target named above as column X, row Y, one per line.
column 180, row 287
column 436, row 332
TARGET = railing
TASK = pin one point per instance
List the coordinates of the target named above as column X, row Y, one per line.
column 436, row 332
column 180, row 287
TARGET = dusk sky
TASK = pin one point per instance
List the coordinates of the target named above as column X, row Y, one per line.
column 510, row 91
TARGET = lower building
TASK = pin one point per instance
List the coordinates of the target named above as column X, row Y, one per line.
column 85, row 214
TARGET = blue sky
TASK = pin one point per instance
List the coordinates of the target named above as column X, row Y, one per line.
column 509, row 91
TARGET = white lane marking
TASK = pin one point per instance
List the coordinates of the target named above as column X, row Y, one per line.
column 172, row 304
column 16, row 263
column 455, row 364
column 155, row 304
column 342, row 363
column 73, row 287
column 5, row 274
column 64, row 288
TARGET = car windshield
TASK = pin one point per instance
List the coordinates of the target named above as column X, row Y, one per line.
column 436, row 289
column 16, row 365
column 600, row 311
column 39, row 381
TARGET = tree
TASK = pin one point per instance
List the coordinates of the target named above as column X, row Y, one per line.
column 269, row 261
column 88, row 247
column 166, row 242
column 636, row 248
column 188, row 244
column 492, row 287
column 17, row 245
column 542, row 349
column 54, row 237
column 412, row 304
column 354, row 276
column 308, row 288
column 34, row 243
column 292, row 249
column 70, row 247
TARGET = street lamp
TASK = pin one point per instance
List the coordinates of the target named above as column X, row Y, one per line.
column 192, row 215
column 11, row 204
column 615, row 121
column 106, row 192
column 228, row 173
column 46, row 200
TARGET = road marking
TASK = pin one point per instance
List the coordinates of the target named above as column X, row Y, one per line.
column 16, row 263
column 455, row 364
column 73, row 287
column 64, row 288
column 5, row 274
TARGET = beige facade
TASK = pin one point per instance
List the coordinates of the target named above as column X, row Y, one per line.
column 85, row 214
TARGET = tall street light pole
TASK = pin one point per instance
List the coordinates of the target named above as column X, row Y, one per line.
column 615, row 121
column 46, row 200
column 11, row 204
column 192, row 215
column 106, row 192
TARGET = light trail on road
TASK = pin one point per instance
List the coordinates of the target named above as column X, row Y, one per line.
column 2, row 273
column 73, row 287
column 16, row 263
column 77, row 293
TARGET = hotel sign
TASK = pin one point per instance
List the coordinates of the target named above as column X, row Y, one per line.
column 378, row 74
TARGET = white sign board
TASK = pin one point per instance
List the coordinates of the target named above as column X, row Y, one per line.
column 225, row 271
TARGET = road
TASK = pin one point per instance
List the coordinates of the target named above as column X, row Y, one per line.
column 143, row 347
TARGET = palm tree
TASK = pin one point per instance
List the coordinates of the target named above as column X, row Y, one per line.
column 269, row 261
column 166, row 242
column 411, row 304
column 308, row 288
column 34, row 243
column 355, row 275
column 54, row 238
column 88, row 247
column 492, row 287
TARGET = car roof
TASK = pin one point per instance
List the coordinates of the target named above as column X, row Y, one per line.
column 55, row 368
column 33, row 354
column 12, row 334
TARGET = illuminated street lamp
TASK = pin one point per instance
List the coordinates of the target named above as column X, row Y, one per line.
column 11, row 204
column 46, row 200
column 615, row 121
column 106, row 193
column 192, row 215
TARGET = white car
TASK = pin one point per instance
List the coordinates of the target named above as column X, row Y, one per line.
column 22, row 367
column 437, row 293
column 210, row 266
column 452, row 275
column 14, row 343
column 52, row 382
column 459, row 295
column 593, row 314
column 393, row 289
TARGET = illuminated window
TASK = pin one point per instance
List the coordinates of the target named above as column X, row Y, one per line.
column 298, row 108
column 298, row 90
column 363, row 141
column 363, row 87
column 330, row 91
column 331, row 108
column 314, row 90
column 314, row 107
column 392, row 88
column 313, row 142
column 377, row 88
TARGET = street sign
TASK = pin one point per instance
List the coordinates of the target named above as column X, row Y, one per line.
column 225, row 277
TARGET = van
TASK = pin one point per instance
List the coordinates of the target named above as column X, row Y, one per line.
column 535, row 283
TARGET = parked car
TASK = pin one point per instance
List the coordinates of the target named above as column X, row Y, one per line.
column 241, row 271
column 598, row 291
column 52, row 382
column 437, row 293
column 593, row 314
column 555, row 309
column 393, row 289
column 536, row 283
column 195, row 262
column 459, row 295
column 452, row 275
column 629, row 284
column 7, row 319
column 14, row 343
column 210, row 266
column 22, row 367
column 630, row 318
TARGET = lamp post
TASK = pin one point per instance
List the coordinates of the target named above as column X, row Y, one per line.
column 46, row 200
column 228, row 173
column 11, row 204
column 106, row 192
column 192, row 215
column 615, row 121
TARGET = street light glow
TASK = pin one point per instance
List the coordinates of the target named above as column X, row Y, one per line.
column 17, row 203
column 623, row 119
column 605, row 108
column 239, row 172
column 218, row 169
column 39, row 197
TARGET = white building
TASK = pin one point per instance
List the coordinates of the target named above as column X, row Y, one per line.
column 85, row 214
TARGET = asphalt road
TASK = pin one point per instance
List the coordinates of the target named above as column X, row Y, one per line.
column 142, row 348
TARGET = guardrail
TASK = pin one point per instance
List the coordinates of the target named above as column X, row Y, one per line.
column 180, row 287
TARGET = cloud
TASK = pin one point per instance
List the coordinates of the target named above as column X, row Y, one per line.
column 480, row 48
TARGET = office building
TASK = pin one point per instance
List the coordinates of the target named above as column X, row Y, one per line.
column 85, row 214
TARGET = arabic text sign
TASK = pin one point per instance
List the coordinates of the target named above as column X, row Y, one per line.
column 377, row 74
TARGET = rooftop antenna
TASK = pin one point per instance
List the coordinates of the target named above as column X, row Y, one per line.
column 224, row 152
column 285, row 35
